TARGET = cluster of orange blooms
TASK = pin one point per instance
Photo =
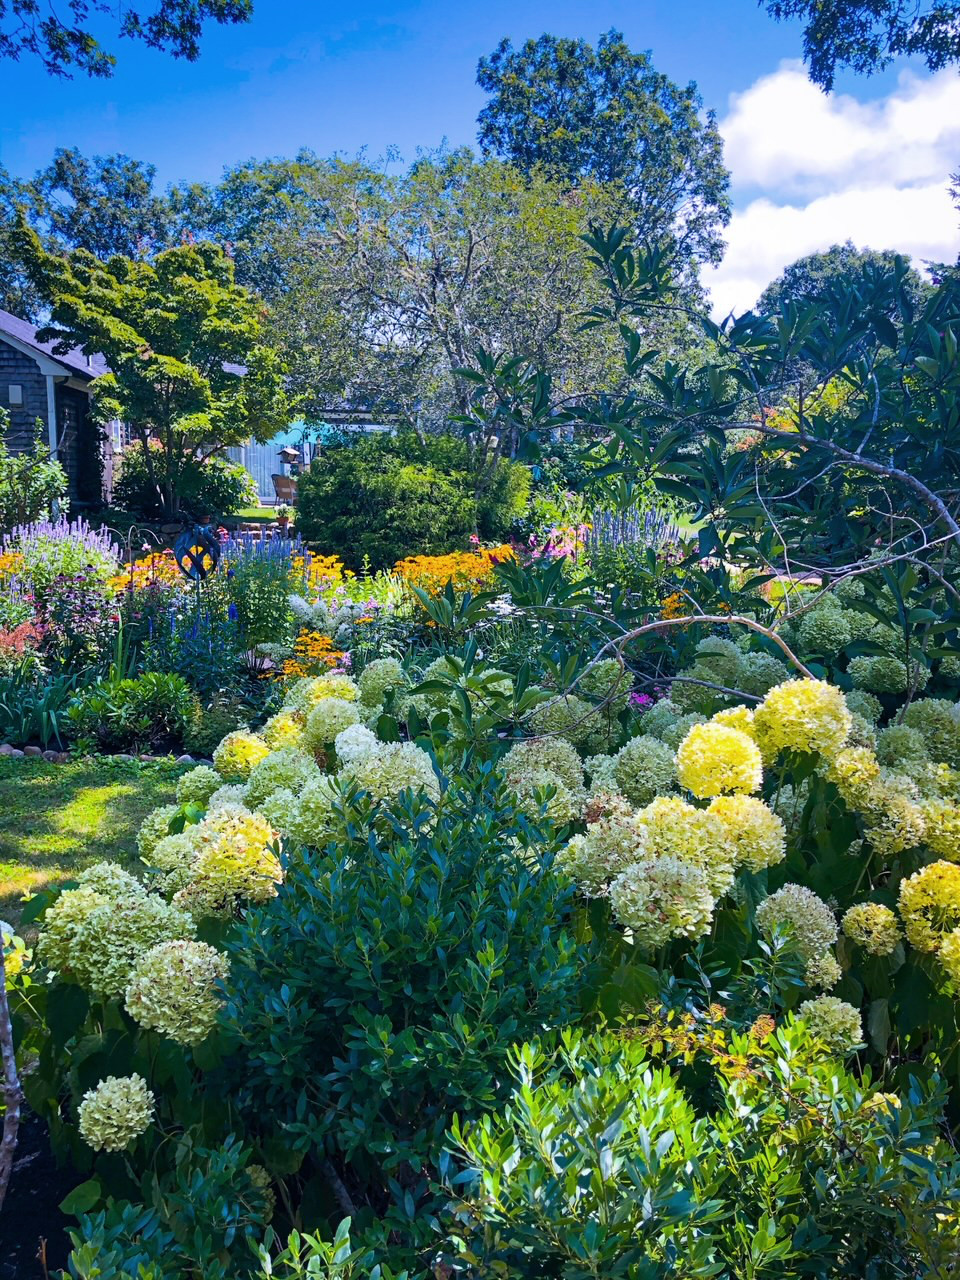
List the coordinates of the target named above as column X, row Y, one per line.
column 313, row 653
column 158, row 568
column 676, row 605
column 465, row 570
column 10, row 563
column 319, row 573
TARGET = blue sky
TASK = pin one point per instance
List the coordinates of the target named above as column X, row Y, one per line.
column 402, row 74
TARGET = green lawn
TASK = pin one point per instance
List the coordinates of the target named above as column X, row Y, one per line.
column 58, row 818
column 261, row 513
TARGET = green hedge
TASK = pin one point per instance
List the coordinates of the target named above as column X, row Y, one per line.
column 386, row 497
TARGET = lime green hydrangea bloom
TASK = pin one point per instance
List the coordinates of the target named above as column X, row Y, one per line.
column 812, row 926
column 327, row 718
column 644, row 768
column 834, row 1022
column 116, row 1112
column 197, row 786
column 555, row 754
column 872, row 926
column 755, row 833
column 377, row 679
column 285, row 729
column 154, row 827
column 662, row 898
column 173, row 990
column 930, row 904
column 288, row 768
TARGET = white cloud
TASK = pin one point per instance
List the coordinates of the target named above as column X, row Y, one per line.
column 817, row 170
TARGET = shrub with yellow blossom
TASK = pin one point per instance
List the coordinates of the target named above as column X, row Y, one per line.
column 930, row 904
column 463, row 570
column 236, row 755
column 756, row 834
column 803, row 715
column 872, row 926
column 812, row 925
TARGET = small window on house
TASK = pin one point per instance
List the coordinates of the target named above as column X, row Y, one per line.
column 15, row 395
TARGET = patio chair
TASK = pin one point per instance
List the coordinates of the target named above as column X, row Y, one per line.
column 285, row 487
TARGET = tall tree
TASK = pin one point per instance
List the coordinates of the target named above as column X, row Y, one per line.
column 866, row 35
column 810, row 278
column 64, row 38
column 606, row 113
column 390, row 282
column 189, row 366
column 105, row 204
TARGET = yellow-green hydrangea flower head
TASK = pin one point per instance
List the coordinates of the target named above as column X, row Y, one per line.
column 116, row 1112
column 834, row 1022
column 939, row 723
column 872, row 926
column 949, row 957
column 97, row 940
column 14, row 951
column 930, row 904
column 675, row 733
column 644, row 768
column 662, row 898
column 235, row 862
column 264, row 1184
column 154, row 827
column 392, row 768
column 171, row 861
column 677, row 829
column 606, row 682
column 883, row 673
column 660, row 717
column 173, row 990
column 530, row 786
column 311, row 822
column 803, row 715
column 237, row 753
column 555, row 754
column 327, row 718
column 812, row 926
column 822, row 972
column 615, row 841
column 942, row 823
column 756, row 834
column 287, row 768
column 285, row 729
column 715, row 760
column 854, row 771
column 197, row 786
column 861, row 703
column 110, row 879
column 307, row 693
column 565, row 716
column 825, row 630
column 899, row 743
column 893, row 821
column 377, row 679
column 280, row 809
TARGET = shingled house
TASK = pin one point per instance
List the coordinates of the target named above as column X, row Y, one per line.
column 36, row 383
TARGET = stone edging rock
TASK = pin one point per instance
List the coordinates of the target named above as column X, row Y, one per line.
column 64, row 757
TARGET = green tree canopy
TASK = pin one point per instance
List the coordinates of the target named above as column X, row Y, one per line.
column 68, row 37
column 606, row 113
column 866, row 35
column 809, row 278
column 184, row 342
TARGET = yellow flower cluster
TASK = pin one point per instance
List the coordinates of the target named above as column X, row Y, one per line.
column 873, row 927
column 313, row 653
column 319, row 573
column 157, row 569
column 11, row 562
column 234, row 861
column 237, row 753
column 802, row 715
column 714, row 759
column 930, row 904
column 464, row 570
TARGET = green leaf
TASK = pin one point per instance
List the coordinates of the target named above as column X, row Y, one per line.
column 82, row 1198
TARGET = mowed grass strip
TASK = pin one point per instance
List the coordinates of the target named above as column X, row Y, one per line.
column 56, row 819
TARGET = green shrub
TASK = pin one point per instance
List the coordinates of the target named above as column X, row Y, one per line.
column 152, row 710
column 210, row 489
column 381, row 990
column 773, row 1163
column 29, row 482
column 208, row 726
column 388, row 497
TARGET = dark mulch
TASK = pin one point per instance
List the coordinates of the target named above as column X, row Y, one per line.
column 30, row 1212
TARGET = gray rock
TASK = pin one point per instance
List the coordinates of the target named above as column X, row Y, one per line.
column 51, row 757
column 33, row 752
column 184, row 760
column 125, row 758
column 16, row 754
column 6, row 749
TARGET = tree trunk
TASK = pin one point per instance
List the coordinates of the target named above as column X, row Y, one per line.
column 12, row 1093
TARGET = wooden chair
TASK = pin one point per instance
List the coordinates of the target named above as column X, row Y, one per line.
column 285, row 487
